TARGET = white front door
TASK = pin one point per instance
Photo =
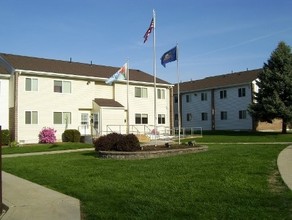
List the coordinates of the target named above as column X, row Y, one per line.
column 84, row 127
column 95, row 124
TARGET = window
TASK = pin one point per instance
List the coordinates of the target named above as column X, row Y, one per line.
column 62, row 117
column 204, row 116
column 62, row 86
column 84, row 118
column 176, row 117
column 203, row 96
column 160, row 93
column 189, row 116
column 31, row 117
column 141, row 92
column 141, row 118
column 242, row 114
column 161, row 118
column 175, row 99
column 188, row 98
column 223, row 94
column 223, row 115
column 31, row 84
column 241, row 92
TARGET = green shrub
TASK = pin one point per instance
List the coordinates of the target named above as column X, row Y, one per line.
column 71, row 135
column 5, row 137
column 117, row 142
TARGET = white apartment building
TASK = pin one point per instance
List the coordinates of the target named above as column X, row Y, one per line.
column 71, row 95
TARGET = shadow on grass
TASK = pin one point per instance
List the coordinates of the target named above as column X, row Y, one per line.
column 90, row 154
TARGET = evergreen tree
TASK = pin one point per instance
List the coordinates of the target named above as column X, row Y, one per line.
column 274, row 97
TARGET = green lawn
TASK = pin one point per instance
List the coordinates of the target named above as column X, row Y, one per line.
column 28, row 148
column 242, row 137
column 226, row 182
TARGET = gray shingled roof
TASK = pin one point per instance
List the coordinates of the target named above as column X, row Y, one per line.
column 107, row 103
column 219, row 81
column 74, row 68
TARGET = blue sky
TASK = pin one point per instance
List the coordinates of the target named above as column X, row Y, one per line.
column 214, row 36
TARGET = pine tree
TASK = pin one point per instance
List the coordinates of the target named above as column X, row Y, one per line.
column 274, row 97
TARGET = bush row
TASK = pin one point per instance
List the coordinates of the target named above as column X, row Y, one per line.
column 5, row 137
column 47, row 135
column 117, row 142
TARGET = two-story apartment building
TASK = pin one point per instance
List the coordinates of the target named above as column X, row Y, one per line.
column 4, row 98
column 218, row 102
column 71, row 95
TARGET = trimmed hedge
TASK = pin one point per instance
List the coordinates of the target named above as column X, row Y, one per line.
column 117, row 142
column 71, row 135
column 5, row 137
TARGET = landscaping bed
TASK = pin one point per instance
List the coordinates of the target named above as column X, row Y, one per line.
column 152, row 151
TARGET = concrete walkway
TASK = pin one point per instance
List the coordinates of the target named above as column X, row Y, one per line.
column 285, row 165
column 29, row 201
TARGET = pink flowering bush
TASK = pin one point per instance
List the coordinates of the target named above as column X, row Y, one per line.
column 47, row 135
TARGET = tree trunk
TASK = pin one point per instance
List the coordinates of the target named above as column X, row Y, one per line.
column 284, row 126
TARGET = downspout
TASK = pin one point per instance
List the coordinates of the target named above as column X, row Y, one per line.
column 171, row 108
column 213, row 110
column 254, row 126
column 16, row 105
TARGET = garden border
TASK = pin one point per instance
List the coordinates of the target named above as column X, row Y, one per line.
column 150, row 154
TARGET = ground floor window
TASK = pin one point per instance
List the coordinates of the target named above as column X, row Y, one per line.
column 223, row 115
column 62, row 117
column 141, row 118
column 189, row 116
column 204, row 116
column 242, row 114
column 161, row 118
column 84, row 118
column 31, row 117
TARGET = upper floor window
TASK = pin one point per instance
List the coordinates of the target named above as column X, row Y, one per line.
column 141, row 92
column 31, row 117
column 31, row 84
column 161, row 93
column 188, row 98
column 62, row 117
column 62, row 86
column 223, row 94
column 161, row 118
column 242, row 114
column 203, row 96
column 241, row 92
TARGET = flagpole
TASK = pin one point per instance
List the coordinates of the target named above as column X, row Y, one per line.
column 154, row 73
column 128, row 78
column 178, row 94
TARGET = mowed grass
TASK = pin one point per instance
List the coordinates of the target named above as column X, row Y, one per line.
column 30, row 148
column 226, row 182
column 242, row 137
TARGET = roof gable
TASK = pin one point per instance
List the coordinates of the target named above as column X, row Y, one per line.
column 107, row 103
column 73, row 68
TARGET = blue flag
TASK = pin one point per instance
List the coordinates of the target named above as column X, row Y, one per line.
column 169, row 56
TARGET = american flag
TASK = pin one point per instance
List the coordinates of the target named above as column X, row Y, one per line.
column 149, row 30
